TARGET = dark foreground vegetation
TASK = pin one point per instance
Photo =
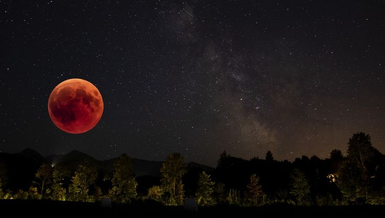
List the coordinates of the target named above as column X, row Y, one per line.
column 44, row 208
column 340, row 185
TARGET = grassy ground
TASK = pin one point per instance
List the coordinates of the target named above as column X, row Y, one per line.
column 30, row 208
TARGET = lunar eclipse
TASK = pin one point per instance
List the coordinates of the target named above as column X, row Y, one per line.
column 75, row 106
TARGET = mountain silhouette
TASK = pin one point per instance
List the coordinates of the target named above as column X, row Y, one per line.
column 72, row 160
column 141, row 167
column 75, row 157
column 22, row 167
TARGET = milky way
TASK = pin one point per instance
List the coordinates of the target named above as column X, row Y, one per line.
column 197, row 77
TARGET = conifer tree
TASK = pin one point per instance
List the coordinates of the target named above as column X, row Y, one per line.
column 254, row 192
column 205, row 190
column 300, row 187
column 269, row 156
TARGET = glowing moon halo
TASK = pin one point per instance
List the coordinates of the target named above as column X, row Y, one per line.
column 75, row 106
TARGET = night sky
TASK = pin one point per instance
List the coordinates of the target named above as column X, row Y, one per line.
column 196, row 77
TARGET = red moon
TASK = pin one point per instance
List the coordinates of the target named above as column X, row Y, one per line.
column 75, row 106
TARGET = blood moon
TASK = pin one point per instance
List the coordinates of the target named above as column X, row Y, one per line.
column 75, row 106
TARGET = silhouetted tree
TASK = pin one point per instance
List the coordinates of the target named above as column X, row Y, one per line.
column 84, row 177
column 172, row 171
column 358, row 169
column 336, row 155
column 205, row 190
column 222, row 162
column 300, row 187
column 123, row 180
column 269, row 156
column 254, row 192
column 361, row 151
column 336, row 158
column 351, row 182
column 232, row 171
column 43, row 177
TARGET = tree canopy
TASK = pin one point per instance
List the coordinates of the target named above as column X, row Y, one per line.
column 172, row 171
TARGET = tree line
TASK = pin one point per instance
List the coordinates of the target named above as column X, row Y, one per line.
column 357, row 178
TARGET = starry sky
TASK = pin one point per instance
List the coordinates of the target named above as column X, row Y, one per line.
column 196, row 77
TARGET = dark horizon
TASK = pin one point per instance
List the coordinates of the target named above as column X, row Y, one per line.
column 343, row 153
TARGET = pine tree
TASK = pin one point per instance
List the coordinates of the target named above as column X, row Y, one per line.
column 269, row 156
column 172, row 171
column 300, row 187
column 223, row 160
column 123, row 180
column 205, row 190
column 254, row 192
